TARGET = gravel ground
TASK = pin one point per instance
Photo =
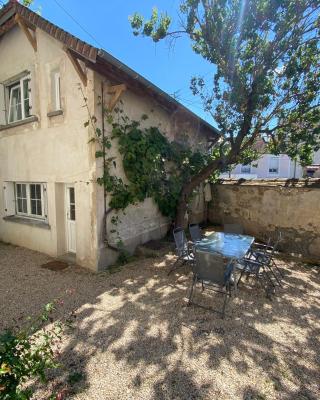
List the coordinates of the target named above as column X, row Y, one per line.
column 135, row 338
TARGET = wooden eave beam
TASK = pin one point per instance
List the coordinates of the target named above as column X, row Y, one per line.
column 26, row 28
column 116, row 92
column 76, row 64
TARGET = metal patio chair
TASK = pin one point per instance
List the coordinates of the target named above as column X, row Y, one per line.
column 259, row 271
column 264, row 253
column 233, row 228
column 212, row 271
column 195, row 232
column 183, row 249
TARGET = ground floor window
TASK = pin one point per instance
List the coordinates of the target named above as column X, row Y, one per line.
column 29, row 199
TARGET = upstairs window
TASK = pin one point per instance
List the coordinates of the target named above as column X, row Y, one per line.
column 274, row 166
column 246, row 169
column 15, row 99
column 19, row 94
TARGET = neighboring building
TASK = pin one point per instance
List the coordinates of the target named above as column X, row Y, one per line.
column 313, row 170
column 48, row 170
column 269, row 166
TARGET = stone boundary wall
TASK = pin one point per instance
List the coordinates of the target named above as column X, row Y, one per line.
column 264, row 207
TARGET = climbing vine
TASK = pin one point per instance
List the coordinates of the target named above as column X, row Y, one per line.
column 154, row 166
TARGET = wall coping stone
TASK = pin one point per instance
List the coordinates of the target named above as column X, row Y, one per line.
column 313, row 183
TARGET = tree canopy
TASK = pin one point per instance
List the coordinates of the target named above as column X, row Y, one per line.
column 266, row 75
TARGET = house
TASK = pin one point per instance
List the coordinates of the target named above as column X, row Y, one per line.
column 313, row 170
column 270, row 166
column 48, row 170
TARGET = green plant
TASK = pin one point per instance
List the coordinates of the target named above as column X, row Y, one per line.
column 28, row 353
column 154, row 166
column 265, row 75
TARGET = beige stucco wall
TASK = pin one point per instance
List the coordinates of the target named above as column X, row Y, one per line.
column 54, row 150
column 263, row 207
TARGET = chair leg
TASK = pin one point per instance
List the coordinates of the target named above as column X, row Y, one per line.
column 274, row 275
column 242, row 271
column 224, row 303
column 268, row 276
column 175, row 265
column 277, row 268
column 191, row 290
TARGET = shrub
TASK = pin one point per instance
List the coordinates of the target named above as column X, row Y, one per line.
column 28, row 353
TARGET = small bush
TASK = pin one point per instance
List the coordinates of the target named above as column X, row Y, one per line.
column 28, row 353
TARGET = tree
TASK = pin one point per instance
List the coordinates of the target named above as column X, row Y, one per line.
column 26, row 3
column 266, row 75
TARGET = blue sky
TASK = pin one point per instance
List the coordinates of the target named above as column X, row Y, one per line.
column 170, row 68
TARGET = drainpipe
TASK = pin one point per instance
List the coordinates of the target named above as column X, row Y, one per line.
column 294, row 169
column 106, row 212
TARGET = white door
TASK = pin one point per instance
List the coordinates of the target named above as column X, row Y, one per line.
column 71, row 219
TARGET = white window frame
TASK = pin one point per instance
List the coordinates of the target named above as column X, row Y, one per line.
column 247, row 169
column 19, row 84
column 29, row 214
column 269, row 166
column 57, row 91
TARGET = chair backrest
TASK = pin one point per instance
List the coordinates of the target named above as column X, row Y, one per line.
column 279, row 238
column 212, row 267
column 233, row 228
column 195, row 232
column 180, row 241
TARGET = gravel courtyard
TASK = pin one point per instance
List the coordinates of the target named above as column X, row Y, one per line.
column 135, row 338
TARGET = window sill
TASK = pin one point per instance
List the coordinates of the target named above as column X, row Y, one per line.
column 54, row 113
column 27, row 221
column 34, row 118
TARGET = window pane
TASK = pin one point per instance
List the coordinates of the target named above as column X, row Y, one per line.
column 21, row 193
column 34, row 207
column 38, row 191
column 18, row 190
column 72, row 212
column 39, row 207
column 26, row 97
column 32, row 191
column 35, row 199
column 24, row 206
column 15, row 113
column 19, row 205
column 24, row 190
column 35, row 191
column 71, row 192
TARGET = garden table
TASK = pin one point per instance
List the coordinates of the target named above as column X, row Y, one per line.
column 229, row 245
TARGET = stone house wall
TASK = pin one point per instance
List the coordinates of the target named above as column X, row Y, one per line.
column 265, row 207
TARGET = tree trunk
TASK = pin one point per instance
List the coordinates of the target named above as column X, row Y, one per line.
column 190, row 186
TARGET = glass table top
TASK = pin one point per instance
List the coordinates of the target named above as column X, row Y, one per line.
column 230, row 245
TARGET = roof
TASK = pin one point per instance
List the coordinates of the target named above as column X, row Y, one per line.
column 313, row 167
column 96, row 59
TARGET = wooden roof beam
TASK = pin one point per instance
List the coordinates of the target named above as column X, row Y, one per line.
column 76, row 64
column 116, row 92
column 26, row 28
